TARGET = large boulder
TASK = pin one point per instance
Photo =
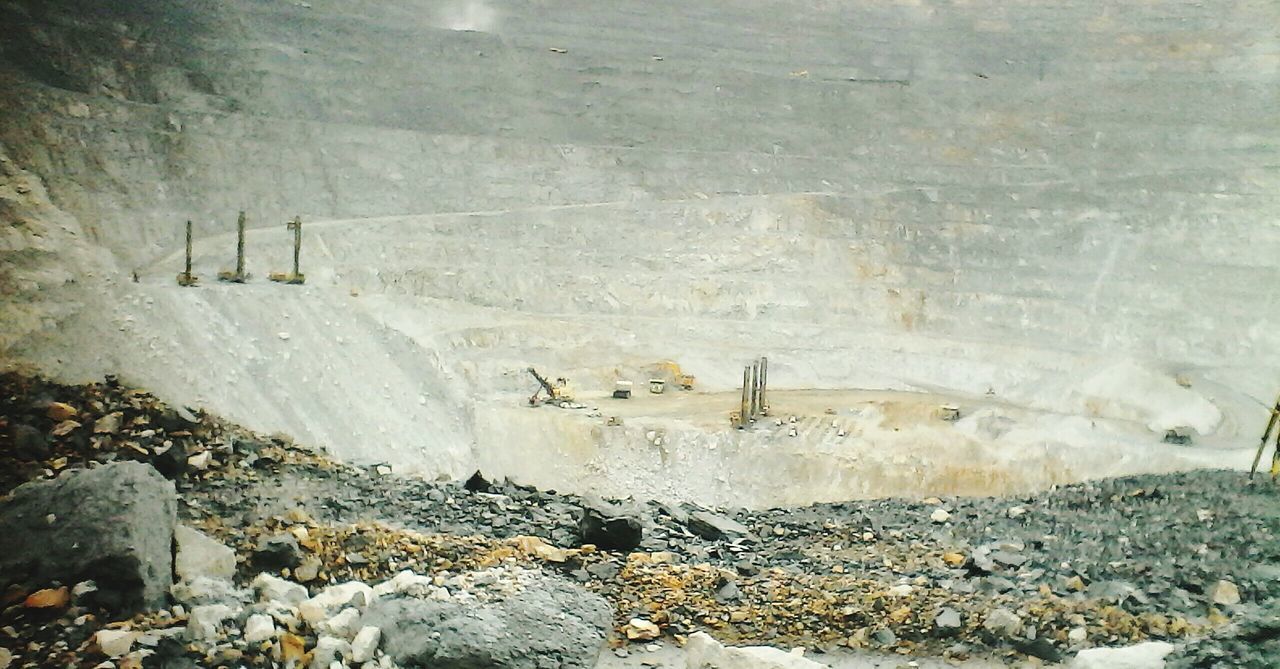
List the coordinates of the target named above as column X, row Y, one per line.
column 550, row 623
column 610, row 528
column 112, row 525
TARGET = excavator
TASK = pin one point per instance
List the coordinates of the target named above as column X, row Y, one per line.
column 557, row 394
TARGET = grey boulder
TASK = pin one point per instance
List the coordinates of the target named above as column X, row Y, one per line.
column 112, row 525
column 553, row 626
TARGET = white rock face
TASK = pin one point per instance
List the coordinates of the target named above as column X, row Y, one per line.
column 259, row 628
column 1148, row 655
column 703, row 652
column 275, row 589
column 365, row 644
column 199, row 555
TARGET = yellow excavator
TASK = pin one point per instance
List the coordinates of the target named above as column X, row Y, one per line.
column 558, row 394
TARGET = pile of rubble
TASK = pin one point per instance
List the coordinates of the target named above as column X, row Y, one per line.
column 287, row 558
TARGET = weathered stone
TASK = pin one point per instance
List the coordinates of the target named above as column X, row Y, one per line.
column 276, row 589
column 1148, row 655
column 703, row 652
column 714, row 527
column 258, row 628
column 1002, row 622
column 205, row 622
column 1225, row 593
column 115, row 643
column 30, row 443
column 610, row 528
column 112, row 525
column 199, row 555
column 279, row 551
column 203, row 590
column 365, row 644
column 639, row 629
column 947, row 621
column 327, row 651
column 60, row 411
column 556, row 624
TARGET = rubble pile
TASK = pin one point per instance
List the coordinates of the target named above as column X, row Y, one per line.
column 285, row 556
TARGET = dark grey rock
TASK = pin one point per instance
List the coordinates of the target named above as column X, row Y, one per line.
column 277, row 552
column 556, row 624
column 714, row 527
column 30, row 443
column 610, row 528
column 112, row 525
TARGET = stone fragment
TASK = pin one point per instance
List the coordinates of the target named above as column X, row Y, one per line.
column 6, row 658
column 276, row 589
column 609, row 528
column 327, row 651
column 639, row 629
column 1002, row 622
column 49, row 598
column 108, row 424
column 540, row 549
column 343, row 625
column 703, row 652
column 334, row 598
column 200, row 555
column 64, row 428
column 1148, row 655
column 953, row 559
column 259, row 628
column 365, row 644
column 205, row 622
column 309, row 570
column 203, row 590
column 1225, row 593
column 551, row 624
column 278, row 551
column 715, row 527
column 948, row 620
column 200, row 461
column 59, row 411
column 115, row 643
column 113, row 525
column 30, row 443
column 940, row 516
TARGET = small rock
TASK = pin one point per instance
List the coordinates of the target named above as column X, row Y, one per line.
column 49, row 598
column 715, row 527
column 1224, row 592
column 947, row 620
column 344, row 625
column 953, row 559
column 940, row 516
column 30, row 442
column 1016, row 512
column 259, row 628
column 704, row 652
column 205, row 622
column 108, row 424
column 365, row 644
column 639, row 629
column 309, row 570
column 274, row 588
column 327, row 651
column 1077, row 634
column 610, row 528
column 6, row 658
column 59, row 411
column 1002, row 622
column 200, row 461
column 115, row 643
column 199, row 555
column 278, row 552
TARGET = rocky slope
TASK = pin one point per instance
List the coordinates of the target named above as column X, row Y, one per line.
column 1108, row 563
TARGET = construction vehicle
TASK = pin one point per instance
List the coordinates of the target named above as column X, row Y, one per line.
column 685, row 381
column 557, row 394
column 622, row 390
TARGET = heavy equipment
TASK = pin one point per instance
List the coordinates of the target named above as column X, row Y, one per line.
column 557, row 394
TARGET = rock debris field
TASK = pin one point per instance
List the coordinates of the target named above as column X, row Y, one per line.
column 135, row 534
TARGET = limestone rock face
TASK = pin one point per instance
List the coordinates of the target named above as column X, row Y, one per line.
column 113, row 525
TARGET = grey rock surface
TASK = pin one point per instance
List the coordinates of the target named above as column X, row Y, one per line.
column 112, row 525
column 713, row 526
column 610, row 528
column 560, row 625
